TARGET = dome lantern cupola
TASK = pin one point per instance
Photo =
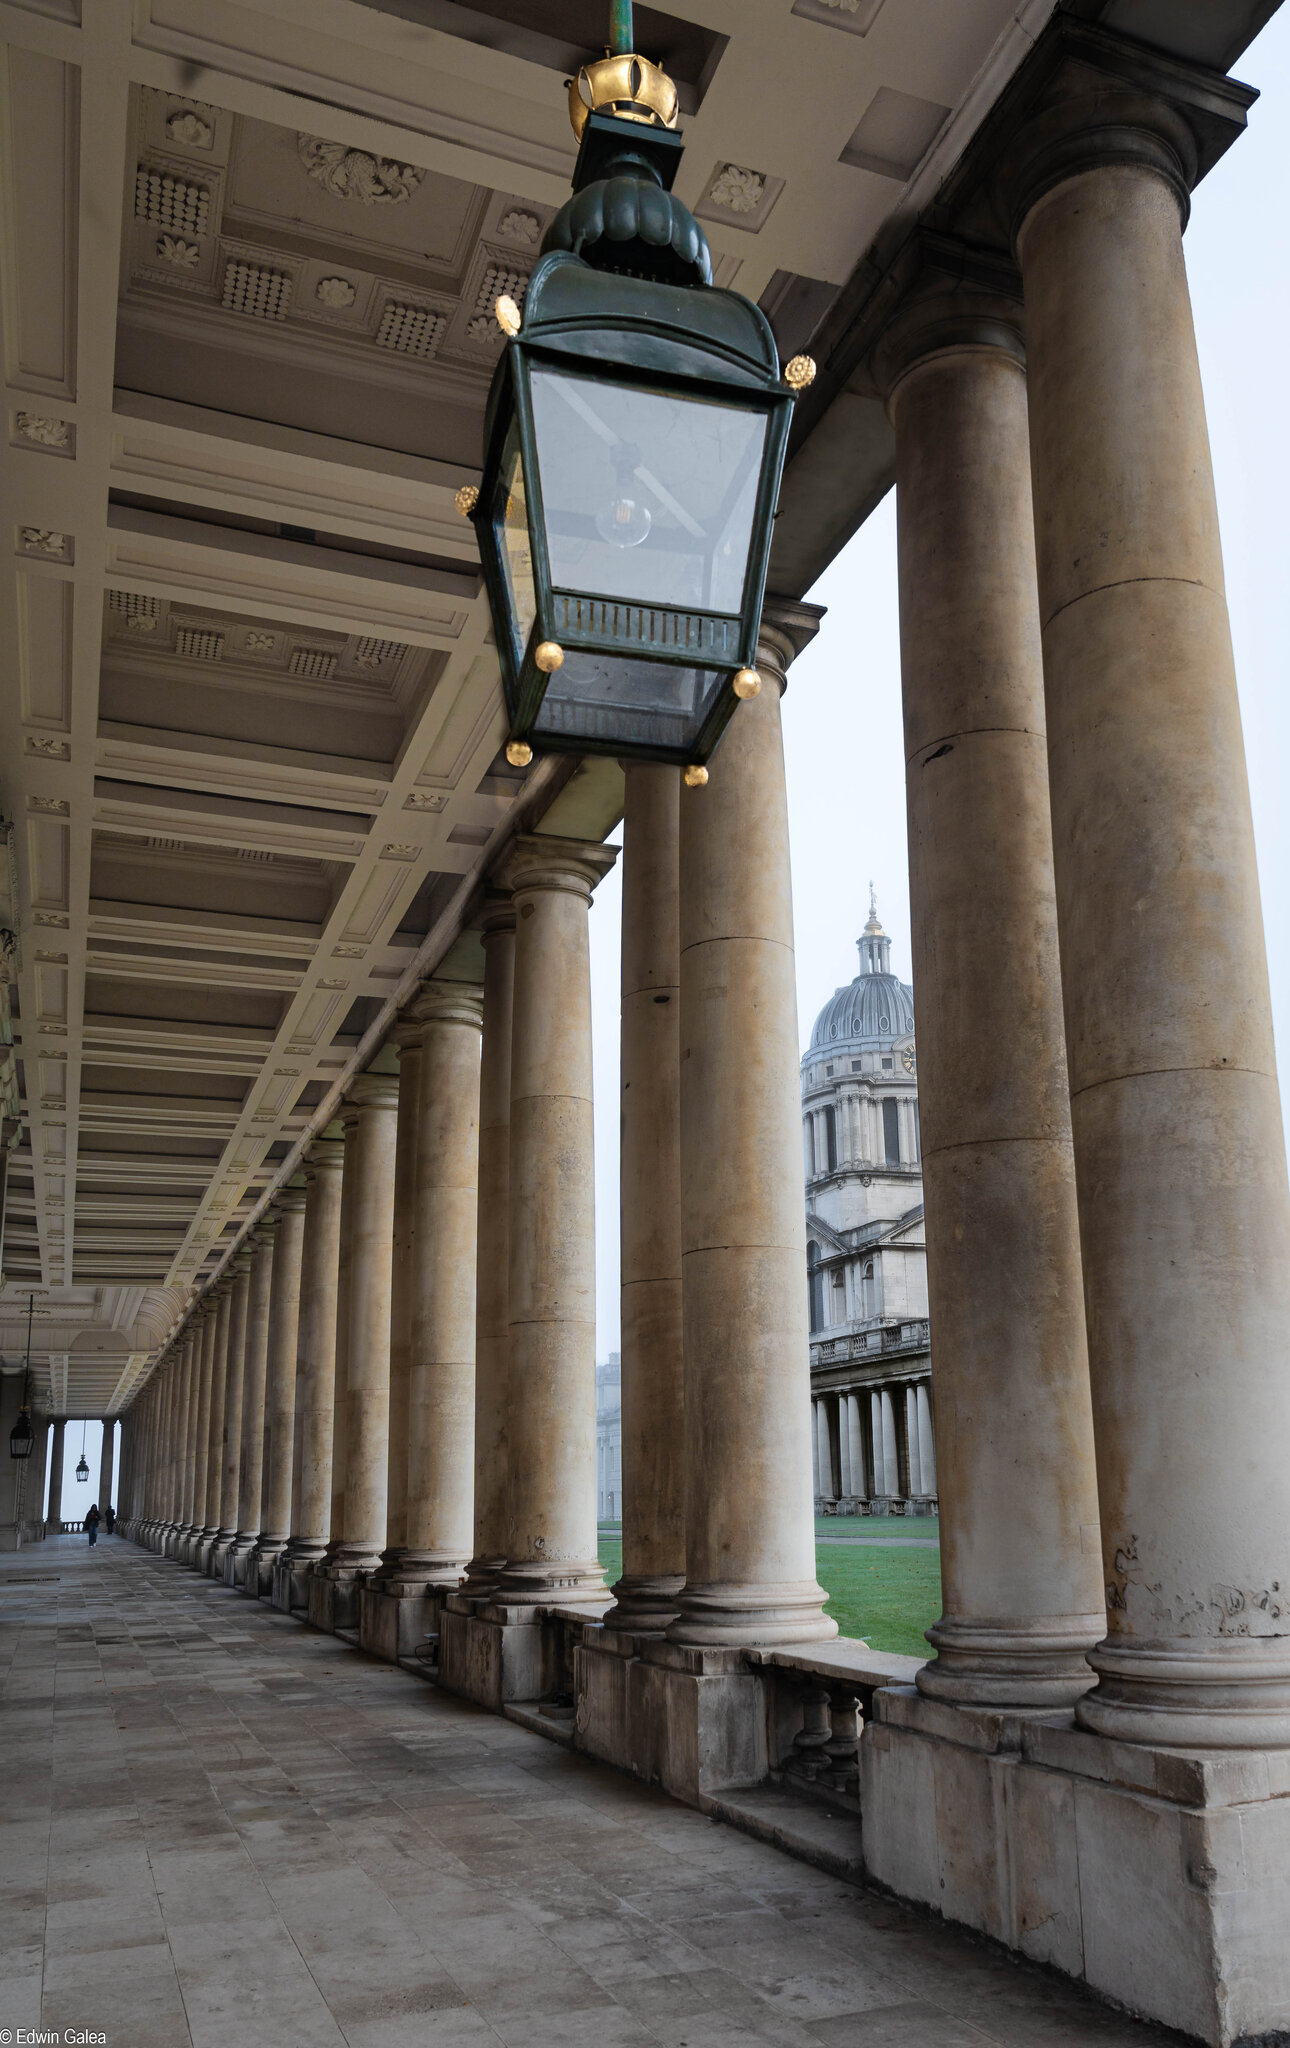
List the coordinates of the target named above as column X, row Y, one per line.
column 873, row 944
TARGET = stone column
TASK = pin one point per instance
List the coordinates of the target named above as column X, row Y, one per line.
column 185, row 1438
column 441, row 1406
column 890, row 1457
column 209, row 1510
column 844, row 1449
column 250, row 1486
column 315, row 1370
column 204, row 1359
column 370, row 1119
column 815, row 1446
column 406, row 1036
column 231, row 1456
column 106, row 1460
column 1179, row 1149
column 340, row 1363
column 280, row 1385
column 492, row 1275
column 926, row 1440
column 750, row 1532
column 58, row 1435
column 653, row 1354
column 1022, row 1601
column 551, row 1482
column 858, row 1485
column 824, row 1449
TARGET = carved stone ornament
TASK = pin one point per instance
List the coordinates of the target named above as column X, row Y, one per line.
column 54, row 806
column 518, row 226
column 53, row 750
column 738, row 190
column 43, row 540
column 260, row 643
column 47, row 433
column 395, row 852
column 181, row 255
column 425, row 800
column 336, row 292
column 332, row 981
column 354, row 174
column 483, row 328
column 190, row 129
column 48, row 917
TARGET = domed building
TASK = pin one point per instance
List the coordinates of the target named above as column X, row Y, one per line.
column 865, row 1248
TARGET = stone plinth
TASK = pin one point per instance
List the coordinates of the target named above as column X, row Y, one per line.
column 691, row 1720
column 333, row 1598
column 394, row 1621
column 494, row 1652
column 1159, row 1876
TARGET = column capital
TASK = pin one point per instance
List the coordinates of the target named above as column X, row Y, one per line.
column 447, row 1002
column 369, row 1091
column 496, row 915
column 240, row 1263
column 1088, row 97
column 326, row 1155
column 535, row 861
column 787, row 626
column 289, row 1199
column 262, row 1234
column 947, row 297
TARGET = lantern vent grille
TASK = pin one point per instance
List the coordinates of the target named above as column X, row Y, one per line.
column 250, row 288
column 701, row 634
column 409, row 330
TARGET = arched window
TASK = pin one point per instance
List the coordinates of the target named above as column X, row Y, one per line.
column 814, row 1286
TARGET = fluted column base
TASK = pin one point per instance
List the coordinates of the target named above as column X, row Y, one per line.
column 645, row 1604
column 1032, row 1662
column 1226, row 1694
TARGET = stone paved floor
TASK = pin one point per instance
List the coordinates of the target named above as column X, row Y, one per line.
column 220, row 1828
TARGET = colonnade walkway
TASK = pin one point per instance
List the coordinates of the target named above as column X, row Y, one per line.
column 222, row 1827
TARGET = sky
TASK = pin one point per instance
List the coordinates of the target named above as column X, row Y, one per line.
column 842, row 720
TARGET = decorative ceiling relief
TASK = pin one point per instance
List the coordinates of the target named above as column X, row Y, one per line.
column 192, row 127
column 44, row 432
column 353, row 174
column 44, row 540
column 174, row 249
column 739, row 196
column 335, row 292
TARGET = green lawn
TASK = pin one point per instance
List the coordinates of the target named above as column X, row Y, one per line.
column 879, row 1528
column 886, row 1593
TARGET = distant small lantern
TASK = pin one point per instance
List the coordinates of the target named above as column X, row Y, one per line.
column 82, row 1468
column 635, row 438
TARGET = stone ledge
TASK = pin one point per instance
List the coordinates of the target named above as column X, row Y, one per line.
column 829, row 1841
column 530, row 1714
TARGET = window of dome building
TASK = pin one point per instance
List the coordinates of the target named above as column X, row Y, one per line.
column 887, row 1060
column 828, row 1070
column 855, row 1066
column 814, row 1286
column 891, row 1130
column 831, row 1140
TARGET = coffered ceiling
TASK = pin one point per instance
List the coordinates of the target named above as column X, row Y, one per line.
column 250, row 714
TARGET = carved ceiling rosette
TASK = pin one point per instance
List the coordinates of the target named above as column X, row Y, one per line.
column 356, row 174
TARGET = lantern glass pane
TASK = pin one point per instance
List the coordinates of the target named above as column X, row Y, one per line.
column 612, row 698
column 510, row 520
column 647, row 496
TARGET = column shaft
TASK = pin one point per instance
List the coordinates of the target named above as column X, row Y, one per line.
column 441, row 1387
column 407, row 1037
column 370, row 1119
column 316, row 1349
column 106, row 1459
column 1179, row 1149
column 280, row 1375
column 552, row 1551
column 255, row 1359
column 59, row 1432
column 653, row 1350
column 1022, row 1603
column 750, row 1532
column 215, row 1435
column 492, row 1278
column 230, row 1486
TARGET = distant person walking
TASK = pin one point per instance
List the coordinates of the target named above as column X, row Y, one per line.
column 109, row 1518
column 92, row 1524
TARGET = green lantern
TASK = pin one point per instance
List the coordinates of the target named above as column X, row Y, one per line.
column 635, row 438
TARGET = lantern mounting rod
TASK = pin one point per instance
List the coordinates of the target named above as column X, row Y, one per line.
column 621, row 39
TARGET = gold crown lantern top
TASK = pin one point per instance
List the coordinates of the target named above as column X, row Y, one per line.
column 622, row 83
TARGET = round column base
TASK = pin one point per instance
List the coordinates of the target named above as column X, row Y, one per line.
column 645, row 1603
column 551, row 1583
column 1030, row 1661
column 482, row 1575
column 1226, row 1693
column 745, row 1617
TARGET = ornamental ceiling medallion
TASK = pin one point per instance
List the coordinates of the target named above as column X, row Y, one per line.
column 355, row 174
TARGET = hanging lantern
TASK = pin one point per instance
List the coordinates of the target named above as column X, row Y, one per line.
column 82, row 1469
column 635, row 438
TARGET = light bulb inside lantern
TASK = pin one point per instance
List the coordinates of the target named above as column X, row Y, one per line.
column 624, row 522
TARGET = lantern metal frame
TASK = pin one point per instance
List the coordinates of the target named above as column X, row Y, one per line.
column 671, row 333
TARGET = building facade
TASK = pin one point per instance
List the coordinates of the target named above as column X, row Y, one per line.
column 609, row 1439
column 871, row 1386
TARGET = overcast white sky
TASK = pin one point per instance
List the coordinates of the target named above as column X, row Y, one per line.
column 842, row 718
